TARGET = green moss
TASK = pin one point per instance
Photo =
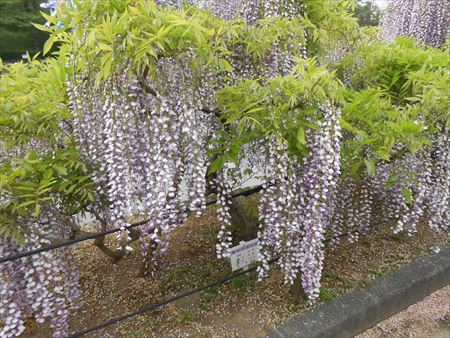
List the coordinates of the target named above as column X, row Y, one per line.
column 186, row 317
column 239, row 285
column 209, row 296
column 327, row 294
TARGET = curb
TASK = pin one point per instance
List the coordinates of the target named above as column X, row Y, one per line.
column 360, row 309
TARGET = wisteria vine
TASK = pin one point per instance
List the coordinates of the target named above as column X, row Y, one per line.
column 427, row 20
column 148, row 136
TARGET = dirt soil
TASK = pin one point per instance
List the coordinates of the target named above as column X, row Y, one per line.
column 428, row 318
column 242, row 308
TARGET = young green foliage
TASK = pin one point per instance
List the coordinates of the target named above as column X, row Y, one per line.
column 40, row 161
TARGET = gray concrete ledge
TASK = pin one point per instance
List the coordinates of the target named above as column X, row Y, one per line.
column 360, row 309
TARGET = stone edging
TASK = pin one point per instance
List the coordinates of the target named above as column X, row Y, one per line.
column 360, row 309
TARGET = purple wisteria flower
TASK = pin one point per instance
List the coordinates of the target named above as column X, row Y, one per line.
column 50, row 4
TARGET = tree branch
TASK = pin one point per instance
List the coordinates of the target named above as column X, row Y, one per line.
column 65, row 219
column 152, row 91
column 100, row 241
column 142, row 81
column 99, row 218
column 116, row 255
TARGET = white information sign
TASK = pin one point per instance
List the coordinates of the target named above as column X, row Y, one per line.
column 244, row 254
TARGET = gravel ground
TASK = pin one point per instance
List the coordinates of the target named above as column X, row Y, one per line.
column 243, row 308
column 428, row 318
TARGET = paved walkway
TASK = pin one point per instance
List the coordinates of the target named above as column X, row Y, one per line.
column 428, row 318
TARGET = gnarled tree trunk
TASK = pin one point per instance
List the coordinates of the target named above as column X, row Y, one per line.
column 244, row 218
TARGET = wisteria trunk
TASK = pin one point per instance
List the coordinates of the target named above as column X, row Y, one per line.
column 245, row 224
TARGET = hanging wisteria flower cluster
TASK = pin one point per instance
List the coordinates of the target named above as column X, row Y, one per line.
column 407, row 191
column 296, row 212
column 427, row 20
column 42, row 286
column 222, row 185
column 425, row 176
column 142, row 147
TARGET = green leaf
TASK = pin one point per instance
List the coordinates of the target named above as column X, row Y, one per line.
column 49, row 44
column 217, row 164
column 62, row 171
column 309, row 124
column 103, row 46
column 348, row 126
column 355, row 168
column 41, row 27
column 37, row 210
column 392, row 180
column 407, row 194
column 225, row 65
column 301, row 135
column 370, row 165
column 25, row 204
column 383, row 154
column 120, row 5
